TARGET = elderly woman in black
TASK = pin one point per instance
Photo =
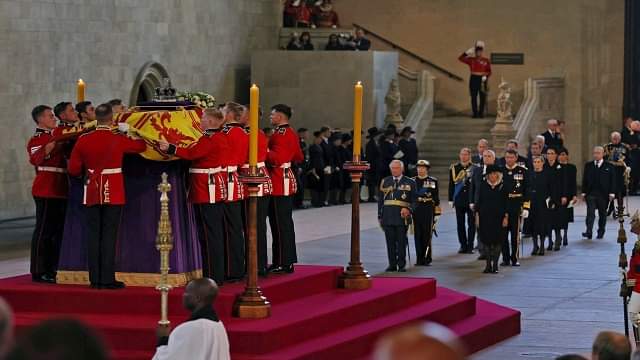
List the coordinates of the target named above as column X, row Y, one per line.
column 491, row 205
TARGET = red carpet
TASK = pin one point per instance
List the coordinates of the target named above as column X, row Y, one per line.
column 311, row 318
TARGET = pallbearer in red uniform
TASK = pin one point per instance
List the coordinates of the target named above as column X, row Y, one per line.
column 263, row 192
column 49, row 191
column 237, row 155
column 207, row 190
column 98, row 156
column 480, row 71
column 284, row 149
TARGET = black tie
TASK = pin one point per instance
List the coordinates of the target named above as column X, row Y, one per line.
column 397, row 183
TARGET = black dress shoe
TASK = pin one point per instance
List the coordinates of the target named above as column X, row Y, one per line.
column 391, row 269
column 288, row 268
column 515, row 263
column 402, row 269
column 263, row 273
column 276, row 269
column 487, row 270
column 95, row 286
column 462, row 251
column 468, row 251
column 587, row 235
column 600, row 235
column 504, row 263
column 113, row 286
column 482, row 257
column 234, row 279
column 44, row 278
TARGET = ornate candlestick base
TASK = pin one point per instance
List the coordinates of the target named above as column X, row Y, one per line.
column 355, row 276
column 251, row 304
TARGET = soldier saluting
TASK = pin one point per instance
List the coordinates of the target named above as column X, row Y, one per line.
column 516, row 183
column 426, row 212
column 396, row 202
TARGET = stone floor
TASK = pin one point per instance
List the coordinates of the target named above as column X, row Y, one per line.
column 565, row 297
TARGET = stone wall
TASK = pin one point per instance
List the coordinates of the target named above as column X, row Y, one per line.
column 319, row 84
column 578, row 40
column 48, row 44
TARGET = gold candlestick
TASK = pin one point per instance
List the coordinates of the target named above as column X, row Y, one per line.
column 164, row 244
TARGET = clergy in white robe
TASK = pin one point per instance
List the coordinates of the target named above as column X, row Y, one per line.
column 203, row 336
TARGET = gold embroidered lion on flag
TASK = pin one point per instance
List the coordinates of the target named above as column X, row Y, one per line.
column 179, row 127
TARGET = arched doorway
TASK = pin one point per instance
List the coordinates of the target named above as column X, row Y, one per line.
column 150, row 77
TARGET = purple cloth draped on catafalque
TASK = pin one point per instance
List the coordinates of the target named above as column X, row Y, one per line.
column 136, row 250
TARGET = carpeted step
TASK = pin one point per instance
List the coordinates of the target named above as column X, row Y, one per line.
column 357, row 341
column 25, row 295
column 491, row 324
column 321, row 313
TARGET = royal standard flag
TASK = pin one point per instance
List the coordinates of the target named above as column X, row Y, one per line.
column 179, row 127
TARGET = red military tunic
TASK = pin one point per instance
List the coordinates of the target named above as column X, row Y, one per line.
column 51, row 179
column 98, row 154
column 263, row 147
column 284, row 148
column 478, row 65
column 634, row 271
column 207, row 180
column 238, row 153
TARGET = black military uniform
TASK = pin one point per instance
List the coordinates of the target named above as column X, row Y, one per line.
column 372, row 155
column 632, row 139
column 491, row 205
column 618, row 156
column 522, row 161
column 459, row 187
column 388, row 152
column 516, row 183
column 396, row 194
column 539, row 192
column 426, row 211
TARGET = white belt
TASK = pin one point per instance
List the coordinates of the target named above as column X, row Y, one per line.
column 286, row 165
column 52, row 169
column 205, row 171
column 260, row 165
column 231, row 168
column 107, row 171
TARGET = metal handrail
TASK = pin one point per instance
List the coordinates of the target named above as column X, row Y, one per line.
column 410, row 53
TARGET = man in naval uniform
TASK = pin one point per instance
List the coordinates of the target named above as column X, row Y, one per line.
column 396, row 202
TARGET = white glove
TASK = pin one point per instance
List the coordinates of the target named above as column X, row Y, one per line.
column 484, row 78
column 547, row 201
column 525, row 214
column 327, row 170
column 470, row 52
column 296, row 3
column 123, row 127
column 436, row 218
column 313, row 26
column 612, row 196
column 318, row 3
column 451, row 204
column 472, row 206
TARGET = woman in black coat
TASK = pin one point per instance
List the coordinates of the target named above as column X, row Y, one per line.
column 570, row 191
column 540, row 190
column 491, row 205
column 558, row 198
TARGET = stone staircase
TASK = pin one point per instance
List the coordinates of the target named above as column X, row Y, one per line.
column 445, row 136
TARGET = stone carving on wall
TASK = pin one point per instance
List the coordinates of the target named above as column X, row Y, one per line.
column 504, row 101
column 393, row 101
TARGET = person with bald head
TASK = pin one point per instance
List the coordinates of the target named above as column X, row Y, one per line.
column 617, row 154
column 203, row 336
column 598, row 188
column 6, row 328
column 429, row 341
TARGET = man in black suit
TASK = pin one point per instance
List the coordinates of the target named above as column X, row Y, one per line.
column 483, row 145
column 409, row 148
column 552, row 137
column 328, row 158
column 598, row 188
column 360, row 42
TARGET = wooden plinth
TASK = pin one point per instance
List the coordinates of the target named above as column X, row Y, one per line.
column 252, row 306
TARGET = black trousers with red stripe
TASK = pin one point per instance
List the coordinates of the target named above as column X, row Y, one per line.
column 103, row 223
column 233, row 240
column 282, row 230
column 47, row 235
column 210, row 222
